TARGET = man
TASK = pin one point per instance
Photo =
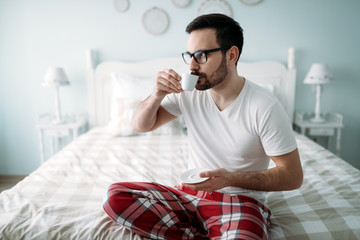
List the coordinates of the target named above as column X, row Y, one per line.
column 234, row 127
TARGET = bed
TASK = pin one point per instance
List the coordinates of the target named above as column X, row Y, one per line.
column 63, row 198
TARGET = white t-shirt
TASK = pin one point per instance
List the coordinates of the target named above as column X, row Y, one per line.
column 239, row 138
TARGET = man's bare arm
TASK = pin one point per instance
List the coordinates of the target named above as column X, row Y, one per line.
column 287, row 175
column 150, row 115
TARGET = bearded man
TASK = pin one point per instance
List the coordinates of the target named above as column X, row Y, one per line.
column 234, row 128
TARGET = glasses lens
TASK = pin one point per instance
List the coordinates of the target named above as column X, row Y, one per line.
column 187, row 57
column 200, row 57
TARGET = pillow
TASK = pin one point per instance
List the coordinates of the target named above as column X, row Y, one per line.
column 122, row 112
column 269, row 87
column 126, row 86
column 269, row 83
column 127, row 92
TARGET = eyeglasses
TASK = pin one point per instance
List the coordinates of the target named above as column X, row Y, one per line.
column 200, row 56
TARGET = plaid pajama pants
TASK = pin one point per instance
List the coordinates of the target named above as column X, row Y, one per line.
column 158, row 212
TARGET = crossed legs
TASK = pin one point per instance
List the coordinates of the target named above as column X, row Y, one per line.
column 159, row 212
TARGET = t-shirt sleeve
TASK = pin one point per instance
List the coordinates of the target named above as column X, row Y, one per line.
column 275, row 131
column 171, row 103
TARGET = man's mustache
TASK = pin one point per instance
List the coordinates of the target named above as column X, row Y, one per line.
column 197, row 73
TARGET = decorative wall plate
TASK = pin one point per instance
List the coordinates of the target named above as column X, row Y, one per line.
column 121, row 5
column 155, row 21
column 181, row 3
column 250, row 2
column 214, row 6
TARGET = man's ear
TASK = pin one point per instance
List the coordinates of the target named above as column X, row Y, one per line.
column 232, row 55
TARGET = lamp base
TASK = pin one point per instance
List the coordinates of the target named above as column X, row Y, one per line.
column 317, row 120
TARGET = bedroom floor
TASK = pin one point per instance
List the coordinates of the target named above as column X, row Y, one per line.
column 8, row 181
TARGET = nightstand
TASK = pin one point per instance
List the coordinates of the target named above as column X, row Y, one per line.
column 58, row 135
column 332, row 124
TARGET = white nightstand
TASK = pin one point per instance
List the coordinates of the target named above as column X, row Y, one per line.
column 58, row 134
column 333, row 123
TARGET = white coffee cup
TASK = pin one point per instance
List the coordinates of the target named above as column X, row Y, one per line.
column 188, row 81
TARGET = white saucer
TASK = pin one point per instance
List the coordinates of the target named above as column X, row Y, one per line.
column 192, row 176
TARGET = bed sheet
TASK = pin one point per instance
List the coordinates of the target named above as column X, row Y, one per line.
column 327, row 204
column 63, row 198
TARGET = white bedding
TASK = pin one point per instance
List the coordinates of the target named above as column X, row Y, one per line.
column 63, row 198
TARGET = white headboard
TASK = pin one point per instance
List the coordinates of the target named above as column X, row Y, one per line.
column 282, row 77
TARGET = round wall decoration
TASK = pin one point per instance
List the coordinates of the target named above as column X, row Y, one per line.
column 214, row 6
column 250, row 2
column 121, row 5
column 155, row 21
column 181, row 3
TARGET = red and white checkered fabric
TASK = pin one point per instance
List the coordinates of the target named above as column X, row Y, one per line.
column 158, row 212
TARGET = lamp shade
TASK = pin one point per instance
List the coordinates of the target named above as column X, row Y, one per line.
column 55, row 77
column 318, row 74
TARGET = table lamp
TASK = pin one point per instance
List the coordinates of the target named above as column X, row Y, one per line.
column 56, row 77
column 319, row 74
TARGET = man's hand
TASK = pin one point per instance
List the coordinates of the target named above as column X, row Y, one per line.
column 287, row 175
column 218, row 178
column 167, row 81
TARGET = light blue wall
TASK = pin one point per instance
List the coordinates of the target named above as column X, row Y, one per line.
column 39, row 33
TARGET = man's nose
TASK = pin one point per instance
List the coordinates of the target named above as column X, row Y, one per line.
column 194, row 65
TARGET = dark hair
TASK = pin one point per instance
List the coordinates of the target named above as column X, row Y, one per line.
column 228, row 31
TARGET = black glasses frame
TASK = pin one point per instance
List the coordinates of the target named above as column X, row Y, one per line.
column 201, row 52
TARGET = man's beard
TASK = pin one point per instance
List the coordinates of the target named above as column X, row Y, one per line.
column 215, row 79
